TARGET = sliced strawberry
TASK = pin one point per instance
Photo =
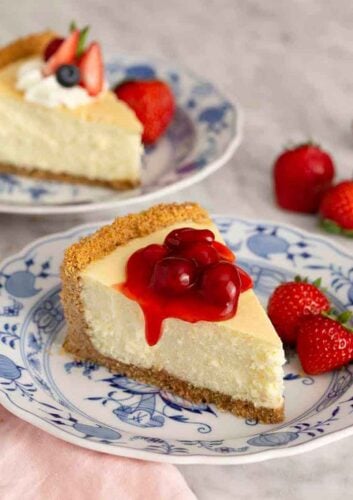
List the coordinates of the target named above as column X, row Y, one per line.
column 65, row 54
column 91, row 68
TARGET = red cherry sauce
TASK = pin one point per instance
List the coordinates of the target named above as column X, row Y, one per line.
column 190, row 277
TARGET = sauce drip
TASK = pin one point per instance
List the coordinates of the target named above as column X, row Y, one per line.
column 190, row 277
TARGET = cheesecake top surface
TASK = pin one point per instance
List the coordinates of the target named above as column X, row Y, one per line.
column 105, row 109
column 250, row 317
column 103, row 257
column 123, row 229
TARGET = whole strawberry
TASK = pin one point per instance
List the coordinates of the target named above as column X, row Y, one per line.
column 153, row 103
column 302, row 175
column 324, row 343
column 293, row 301
column 336, row 209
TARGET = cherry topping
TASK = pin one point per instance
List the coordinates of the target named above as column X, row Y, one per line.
column 223, row 251
column 186, row 235
column 246, row 281
column 153, row 253
column 52, row 47
column 220, row 284
column 190, row 277
column 173, row 275
column 201, row 252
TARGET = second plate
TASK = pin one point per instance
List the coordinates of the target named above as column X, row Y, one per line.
column 204, row 134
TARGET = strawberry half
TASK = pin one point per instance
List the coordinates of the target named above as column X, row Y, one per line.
column 91, row 68
column 65, row 54
column 324, row 343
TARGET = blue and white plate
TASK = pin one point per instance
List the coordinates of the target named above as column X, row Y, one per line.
column 204, row 134
column 86, row 405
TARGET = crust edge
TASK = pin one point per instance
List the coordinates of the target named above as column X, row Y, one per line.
column 35, row 173
column 25, row 47
column 167, row 382
column 124, row 229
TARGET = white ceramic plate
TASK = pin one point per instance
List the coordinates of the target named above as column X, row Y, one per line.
column 204, row 134
column 88, row 406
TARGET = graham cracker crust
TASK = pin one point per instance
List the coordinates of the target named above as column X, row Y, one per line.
column 167, row 382
column 123, row 229
column 45, row 175
column 105, row 240
column 25, row 47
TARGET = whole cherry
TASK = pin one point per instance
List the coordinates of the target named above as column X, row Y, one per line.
column 201, row 252
column 153, row 253
column 220, row 284
column 173, row 275
column 186, row 235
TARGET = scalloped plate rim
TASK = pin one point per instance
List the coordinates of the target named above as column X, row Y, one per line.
column 259, row 456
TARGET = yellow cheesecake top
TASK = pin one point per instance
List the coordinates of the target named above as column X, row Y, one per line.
column 250, row 317
column 106, row 108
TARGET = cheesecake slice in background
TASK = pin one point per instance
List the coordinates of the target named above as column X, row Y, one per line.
column 58, row 119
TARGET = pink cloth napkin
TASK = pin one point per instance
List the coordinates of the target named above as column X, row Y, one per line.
column 37, row 466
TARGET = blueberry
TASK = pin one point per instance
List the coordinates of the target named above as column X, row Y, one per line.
column 68, row 75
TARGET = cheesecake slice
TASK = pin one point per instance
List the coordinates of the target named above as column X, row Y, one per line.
column 50, row 131
column 178, row 343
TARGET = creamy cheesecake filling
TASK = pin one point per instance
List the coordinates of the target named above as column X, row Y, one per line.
column 241, row 357
column 99, row 141
column 111, row 270
column 37, row 138
column 205, row 354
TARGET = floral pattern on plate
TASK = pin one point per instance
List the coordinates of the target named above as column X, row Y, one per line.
column 86, row 405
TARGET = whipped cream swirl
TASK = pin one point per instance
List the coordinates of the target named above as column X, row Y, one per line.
column 46, row 90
